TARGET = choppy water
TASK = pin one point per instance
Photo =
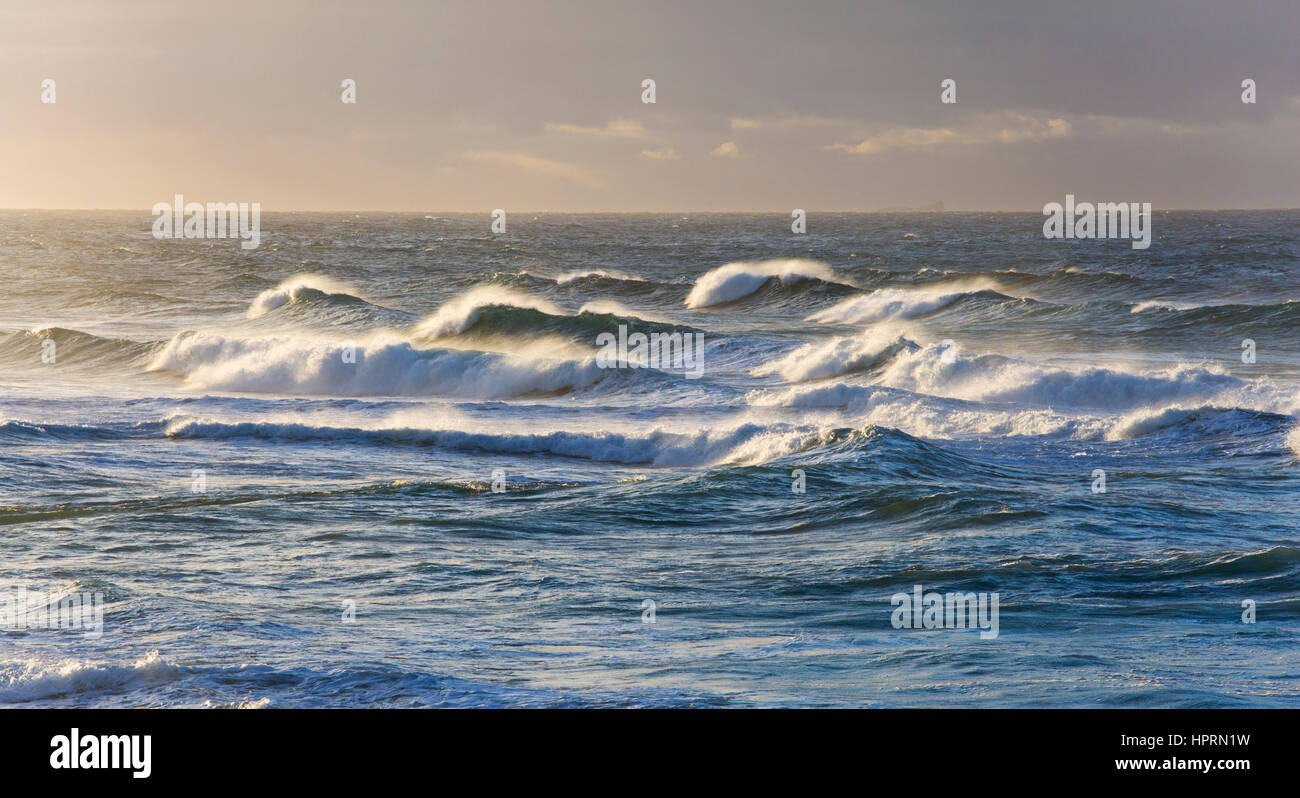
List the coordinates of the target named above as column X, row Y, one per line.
column 948, row 385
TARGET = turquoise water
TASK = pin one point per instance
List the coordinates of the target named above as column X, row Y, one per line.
column 277, row 466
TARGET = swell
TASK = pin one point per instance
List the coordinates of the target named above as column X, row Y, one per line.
column 1064, row 285
column 18, row 430
column 587, row 280
column 74, row 347
column 229, row 497
column 740, row 444
column 1157, row 317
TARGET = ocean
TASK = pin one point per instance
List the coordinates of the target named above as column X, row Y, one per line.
column 384, row 460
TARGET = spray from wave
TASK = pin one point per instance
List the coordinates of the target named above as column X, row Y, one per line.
column 382, row 364
column 837, row 356
column 890, row 303
column 938, row 370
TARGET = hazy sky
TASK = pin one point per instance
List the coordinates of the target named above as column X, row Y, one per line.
column 536, row 105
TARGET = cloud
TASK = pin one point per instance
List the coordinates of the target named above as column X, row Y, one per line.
column 661, row 154
column 789, row 121
column 1002, row 128
column 616, row 129
column 568, row 172
column 1027, row 128
column 899, row 139
column 726, row 149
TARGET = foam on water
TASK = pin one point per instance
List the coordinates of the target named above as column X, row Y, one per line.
column 31, row 681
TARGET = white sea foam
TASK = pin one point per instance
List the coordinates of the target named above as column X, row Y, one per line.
column 735, row 280
column 33, row 681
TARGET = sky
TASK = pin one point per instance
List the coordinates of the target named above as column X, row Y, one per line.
column 760, row 106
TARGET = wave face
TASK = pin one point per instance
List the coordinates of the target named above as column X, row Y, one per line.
column 82, row 349
column 486, row 454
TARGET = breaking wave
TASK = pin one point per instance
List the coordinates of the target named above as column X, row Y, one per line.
column 894, row 303
column 378, row 366
column 298, row 288
column 738, row 280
